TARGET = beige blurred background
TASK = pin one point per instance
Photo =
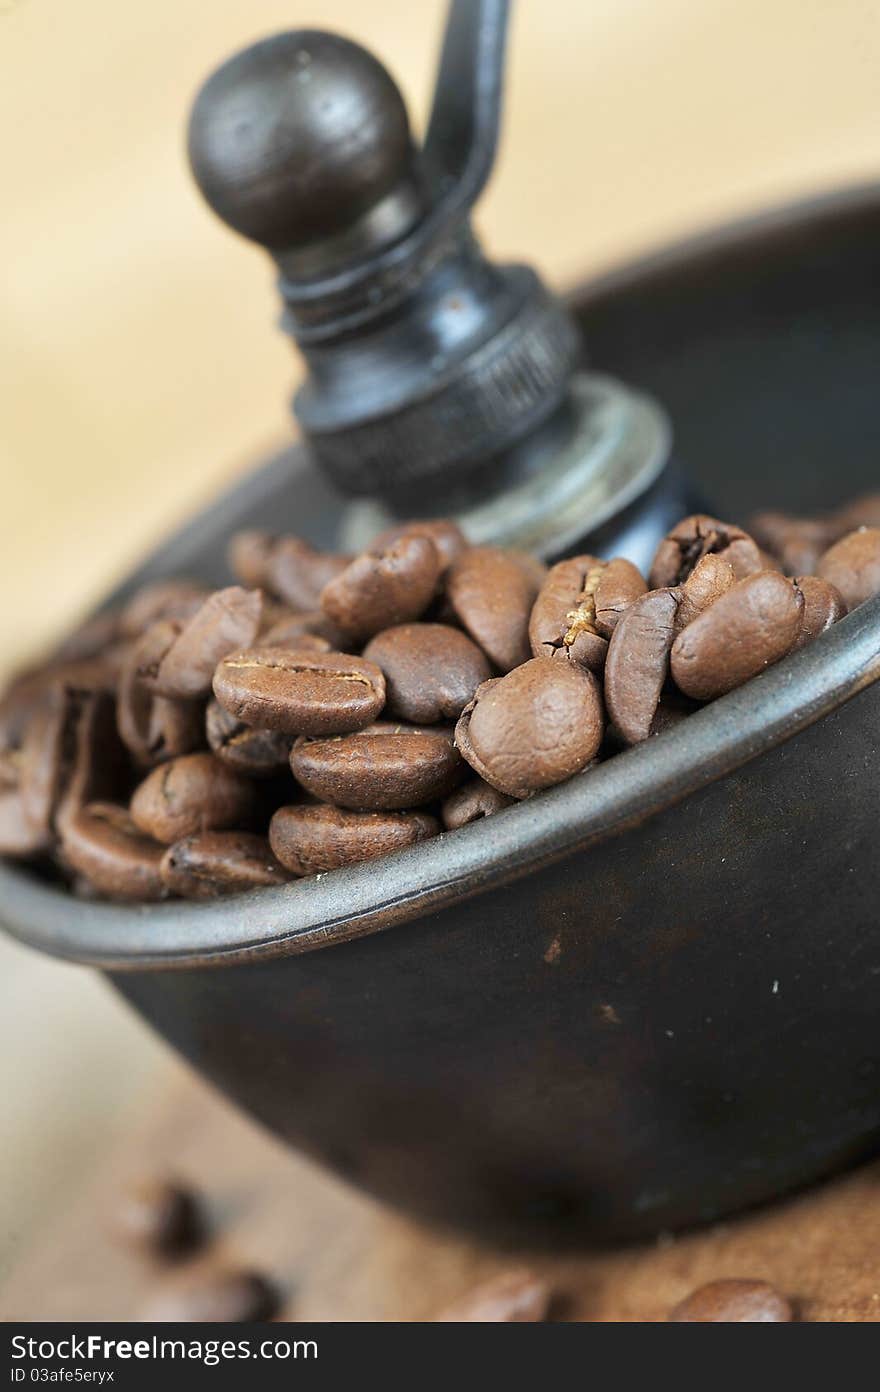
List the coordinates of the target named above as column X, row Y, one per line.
column 139, row 366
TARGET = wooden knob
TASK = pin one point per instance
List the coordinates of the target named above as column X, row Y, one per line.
column 294, row 139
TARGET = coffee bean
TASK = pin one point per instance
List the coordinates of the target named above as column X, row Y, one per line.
column 532, row 728
column 297, row 572
column 446, row 535
column 102, row 842
column 579, row 606
column 95, row 767
column 212, row 1296
column 193, row 793
column 797, row 542
column 311, row 630
column 698, row 536
column 155, row 728
column 431, row 670
column 858, row 512
column 162, row 599
column 710, row 578
column 470, row 803
column 734, row 1302
column 638, row 663
column 300, row 692
column 751, row 626
column 823, row 606
column 158, row 1216
column 227, row 622
column 212, row 863
column 18, row 839
column 852, row 565
column 492, row 593
column 90, row 639
column 310, row 839
column 382, row 587
column 257, row 753
column 513, row 1297
column 248, row 555
column 383, row 766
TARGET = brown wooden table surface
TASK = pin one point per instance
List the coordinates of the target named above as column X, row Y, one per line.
column 337, row 1255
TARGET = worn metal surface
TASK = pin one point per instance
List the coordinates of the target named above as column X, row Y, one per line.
column 651, row 995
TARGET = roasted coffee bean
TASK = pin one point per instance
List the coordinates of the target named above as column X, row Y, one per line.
column 297, row 572
column 102, row 842
column 95, row 767
column 300, row 692
column 858, row 512
column 446, row 535
column 162, row 599
column 257, row 753
column 155, row 728
column 212, row 1296
column 751, row 626
column 823, row 606
column 638, row 663
column 532, row 728
column 431, row 670
column 734, row 1302
column 160, row 1217
column 310, row 839
column 228, row 621
column 10, row 767
column 194, row 793
column 798, row 542
column 710, row 578
column 311, row 629
column 382, row 587
column 492, row 593
column 852, row 565
column 43, row 759
column 248, row 555
column 512, row 1297
column 213, row 863
column 383, row 766
column 698, row 536
column 18, row 839
column 470, row 803
column 578, row 608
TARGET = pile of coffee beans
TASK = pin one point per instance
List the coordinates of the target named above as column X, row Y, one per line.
column 328, row 709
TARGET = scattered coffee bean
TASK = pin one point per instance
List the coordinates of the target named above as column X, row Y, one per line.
column 160, row 1217
column 513, row 1297
column 297, row 572
column 310, row 839
column 852, row 565
column 299, row 692
column 470, row 803
column 579, row 606
column 431, row 670
column 710, row 578
column 698, row 536
column 492, row 593
column 196, row 792
column 155, row 728
column 257, row 753
column 164, row 599
column 382, row 587
column 447, row 537
column 638, row 663
column 734, row 1302
column 211, row 863
column 227, row 622
column 823, row 606
column 209, row 1296
column 116, row 858
column 384, row 766
column 532, row 728
column 311, row 629
column 753, row 625
column 797, row 542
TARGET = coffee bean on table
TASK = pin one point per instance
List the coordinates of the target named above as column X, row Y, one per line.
column 313, row 838
column 212, row 863
column 212, row 1296
column 852, row 565
column 470, row 803
column 446, row 535
column 512, row 1297
column 734, row 1302
column 383, row 586
column 300, row 692
column 823, row 606
column 753, row 625
column 386, row 765
column 532, row 728
column 160, row 1217
column 579, row 606
column 102, row 842
column 637, row 664
column 196, row 792
column 227, row 622
column 492, row 592
column 257, row 753
column 431, row 670
column 152, row 727
column 710, row 578
column 698, row 536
